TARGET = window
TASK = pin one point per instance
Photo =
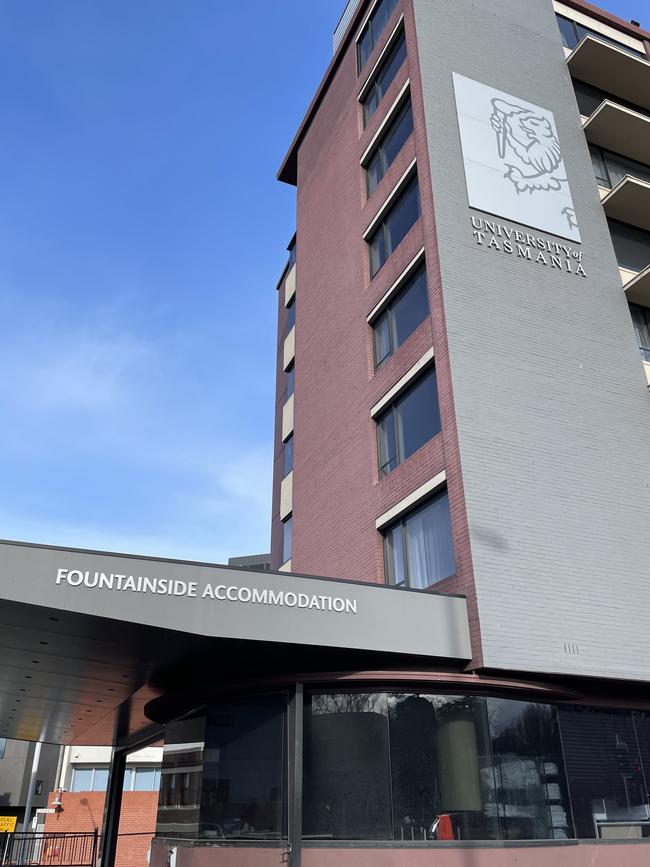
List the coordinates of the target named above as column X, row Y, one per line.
column 145, row 779
column 243, row 771
column 589, row 98
column 181, row 778
column 383, row 78
column 409, row 423
column 286, row 540
column 420, row 767
column 631, row 245
column 3, row 747
column 641, row 320
column 89, row 780
column 292, row 254
column 389, row 146
column 611, row 168
column 291, row 314
column 373, row 30
column 288, row 456
column 418, row 550
column 572, row 34
column 291, row 380
column 394, row 225
column 606, row 761
column 399, row 320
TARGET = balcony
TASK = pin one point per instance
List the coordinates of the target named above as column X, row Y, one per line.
column 621, row 130
column 612, row 69
column 629, row 202
column 637, row 289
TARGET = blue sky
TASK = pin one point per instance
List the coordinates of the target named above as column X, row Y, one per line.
column 142, row 233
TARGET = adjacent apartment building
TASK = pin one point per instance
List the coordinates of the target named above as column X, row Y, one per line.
column 462, row 407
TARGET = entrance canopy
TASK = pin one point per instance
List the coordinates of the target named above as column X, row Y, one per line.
column 88, row 638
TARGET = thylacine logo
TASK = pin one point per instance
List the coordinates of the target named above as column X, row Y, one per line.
column 531, row 139
column 513, row 159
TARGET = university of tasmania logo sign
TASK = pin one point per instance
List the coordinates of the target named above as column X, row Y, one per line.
column 513, row 159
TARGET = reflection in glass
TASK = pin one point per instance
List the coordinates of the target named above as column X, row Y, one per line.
column 606, row 779
column 441, row 769
column 528, row 771
column 346, row 793
column 181, row 777
column 243, row 771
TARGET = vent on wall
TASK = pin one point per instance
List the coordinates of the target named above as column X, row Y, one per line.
column 344, row 21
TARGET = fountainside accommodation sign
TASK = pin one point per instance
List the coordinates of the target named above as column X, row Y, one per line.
column 513, row 160
column 177, row 587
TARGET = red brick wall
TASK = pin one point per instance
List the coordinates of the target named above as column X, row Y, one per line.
column 337, row 495
column 83, row 811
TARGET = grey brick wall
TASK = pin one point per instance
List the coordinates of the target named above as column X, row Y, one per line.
column 552, row 409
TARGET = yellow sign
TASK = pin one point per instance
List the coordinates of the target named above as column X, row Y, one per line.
column 7, row 824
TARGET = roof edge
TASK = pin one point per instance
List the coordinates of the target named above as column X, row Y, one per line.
column 288, row 171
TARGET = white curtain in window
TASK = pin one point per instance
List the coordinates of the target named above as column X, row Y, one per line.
column 430, row 550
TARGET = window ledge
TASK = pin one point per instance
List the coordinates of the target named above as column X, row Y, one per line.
column 411, row 500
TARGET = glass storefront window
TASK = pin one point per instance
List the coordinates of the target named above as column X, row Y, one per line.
column 605, row 771
column 346, row 787
column 243, row 771
column 181, row 778
column 528, row 771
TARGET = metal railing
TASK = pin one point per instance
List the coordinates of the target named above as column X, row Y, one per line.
column 50, row 849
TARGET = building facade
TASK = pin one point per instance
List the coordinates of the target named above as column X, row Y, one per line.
column 16, row 767
column 462, row 407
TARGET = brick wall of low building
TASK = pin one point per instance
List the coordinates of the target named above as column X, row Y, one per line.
column 83, row 812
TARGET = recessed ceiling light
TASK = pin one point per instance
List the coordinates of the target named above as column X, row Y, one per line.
column 43, row 642
column 54, row 619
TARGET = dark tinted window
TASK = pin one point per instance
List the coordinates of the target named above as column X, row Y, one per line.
column 641, row 320
column 181, row 778
column 286, row 540
column 572, row 34
column 631, row 245
column 409, row 423
column 418, row 550
column 384, row 77
column 292, row 254
column 291, row 315
column 402, row 316
column 606, row 776
column 528, row 771
column 3, row 747
column 419, row 767
column 288, row 456
column 291, row 380
column 589, row 98
column 373, row 30
column 243, row 772
column 389, row 146
column 611, row 168
column 347, row 769
column 394, row 225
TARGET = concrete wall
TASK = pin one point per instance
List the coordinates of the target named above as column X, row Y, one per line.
column 551, row 403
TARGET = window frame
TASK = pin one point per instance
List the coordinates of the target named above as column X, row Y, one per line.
column 380, row 228
column 288, row 453
column 372, row 86
column 291, row 316
column 387, row 313
column 379, row 150
column 401, row 522
column 288, row 522
column 93, row 773
column 640, row 310
column 392, row 411
column 368, row 28
column 576, row 26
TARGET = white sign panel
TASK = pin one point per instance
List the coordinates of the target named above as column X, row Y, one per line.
column 513, row 161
